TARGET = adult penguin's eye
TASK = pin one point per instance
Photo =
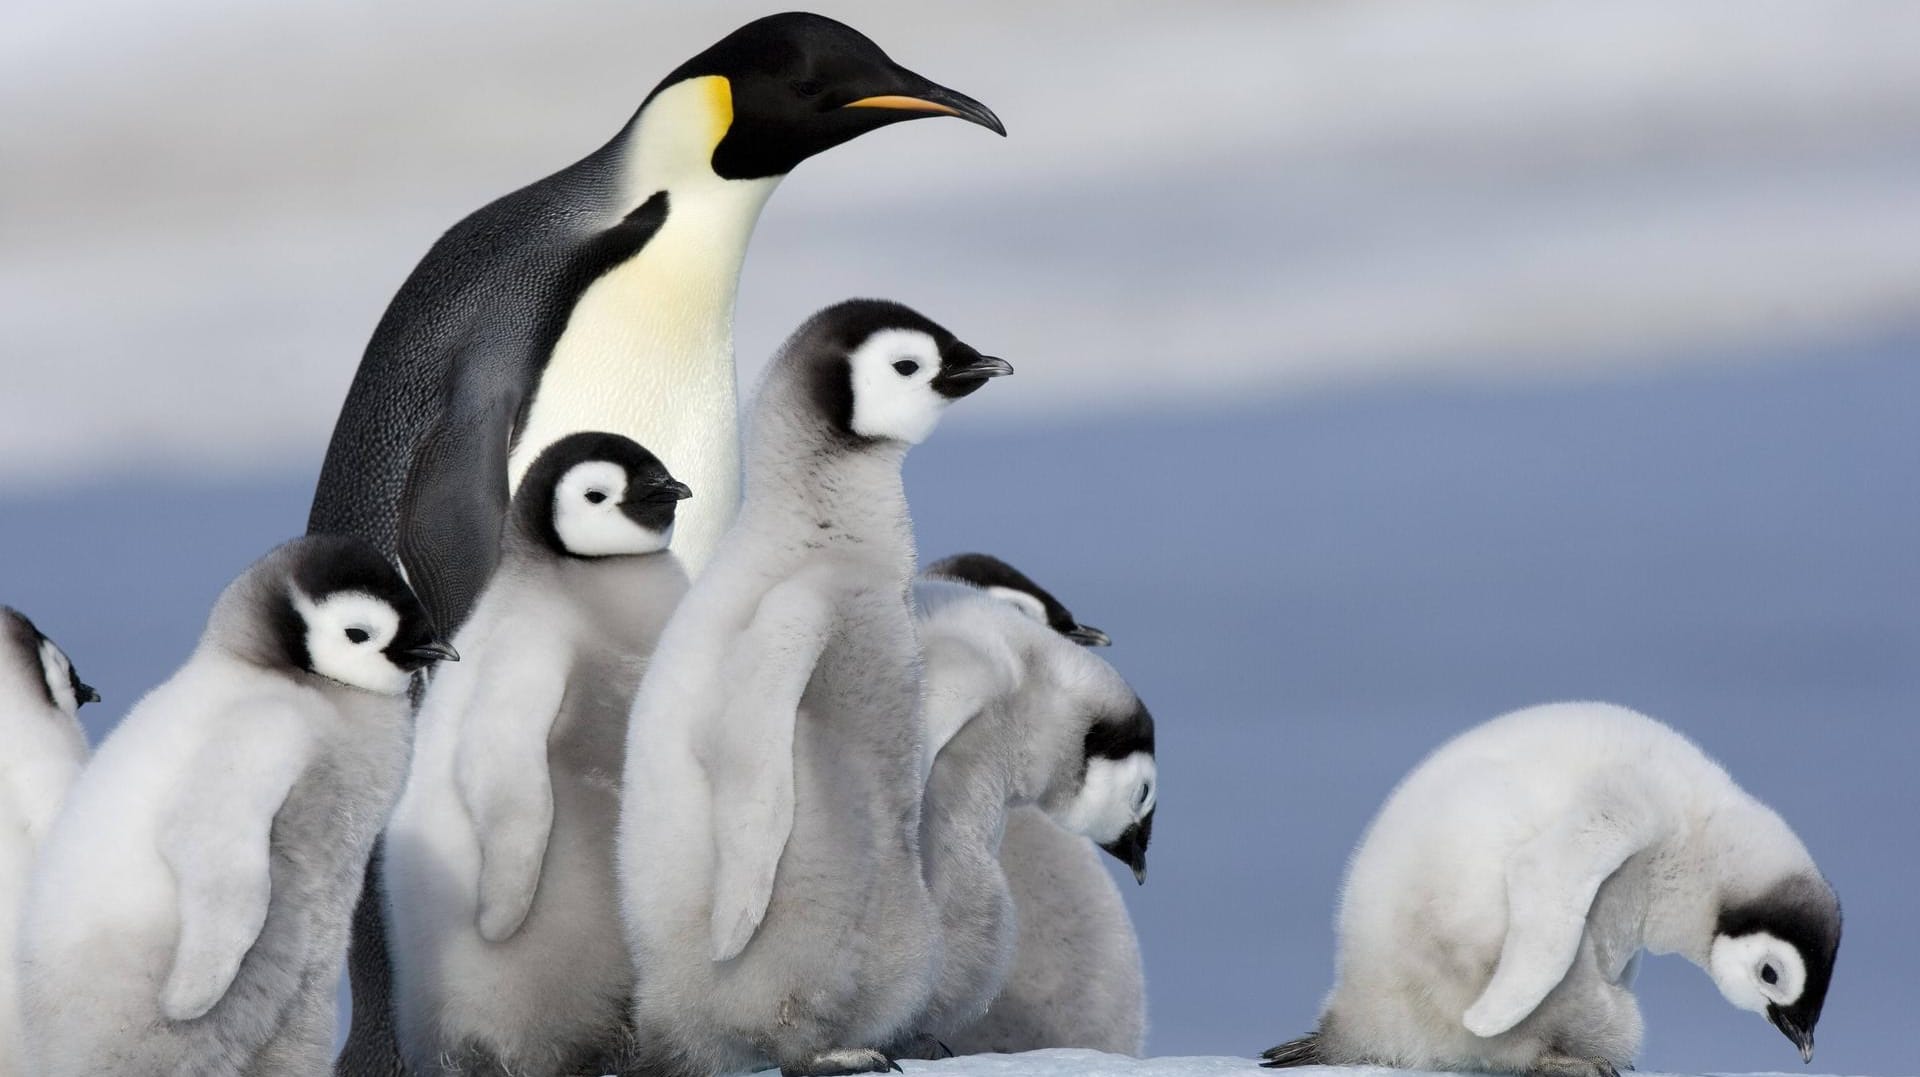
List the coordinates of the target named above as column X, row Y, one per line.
column 906, row 368
column 807, row 87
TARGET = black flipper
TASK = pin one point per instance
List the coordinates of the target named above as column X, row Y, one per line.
column 454, row 506
column 1304, row 1051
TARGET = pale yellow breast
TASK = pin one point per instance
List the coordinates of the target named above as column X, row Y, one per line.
column 648, row 350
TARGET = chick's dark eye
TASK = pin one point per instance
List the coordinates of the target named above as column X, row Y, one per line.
column 807, row 87
column 358, row 635
column 906, row 368
column 596, row 496
column 1767, row 974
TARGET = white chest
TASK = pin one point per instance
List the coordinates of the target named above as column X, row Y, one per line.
column 648, row 353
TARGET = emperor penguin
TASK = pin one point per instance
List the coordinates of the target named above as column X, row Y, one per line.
column 1494, row 913
column 40, row 696
column 1077, row 979
column 598, row 298
column 506, row 921
column 769, row 826
column 1017, row 716
column 189, row 912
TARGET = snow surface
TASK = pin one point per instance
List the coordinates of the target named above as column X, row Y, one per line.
column 1074, row 1063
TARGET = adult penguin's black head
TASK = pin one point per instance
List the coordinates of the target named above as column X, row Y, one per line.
column 800, row 83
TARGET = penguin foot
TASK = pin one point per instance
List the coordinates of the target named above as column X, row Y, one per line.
column 840, row 1061
column 922, row 1046
column 1555, row 1064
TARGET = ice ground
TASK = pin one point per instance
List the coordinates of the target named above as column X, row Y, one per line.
column 1065, row 1063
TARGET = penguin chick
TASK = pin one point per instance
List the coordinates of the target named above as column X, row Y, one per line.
column 189, row 912
column 1017, row 715
column 1003, row 581
column 499, row 858
column 1077, row 979
column 769, row 830
column 40, row 696
column 1494, row 912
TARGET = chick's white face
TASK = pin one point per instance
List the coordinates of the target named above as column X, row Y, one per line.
column 893, row 392
column 347, row 636
column 588, row 518
column 58, row 671
column 1117, row 793
column 1020, row 600
column 1757, row 970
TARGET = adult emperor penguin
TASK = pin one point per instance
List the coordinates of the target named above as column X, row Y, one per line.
column 500, row 882
column 1077, row 979
column 189, row 912
column 769, row 829
column 1016, row 716
column 40, row 697
column 1494, row 913
column 599, row 298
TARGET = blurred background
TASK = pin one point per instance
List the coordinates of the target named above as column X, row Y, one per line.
column 1382, row 367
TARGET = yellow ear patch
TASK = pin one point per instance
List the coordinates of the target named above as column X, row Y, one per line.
column 719, row 97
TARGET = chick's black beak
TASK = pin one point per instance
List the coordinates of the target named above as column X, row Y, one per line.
column 963, row 375
column 1801, row 1037
column 1089, row 636
column 432, row 651
column 85, row 693
column 670, row 490
column 909, row 93
column 1130, row 848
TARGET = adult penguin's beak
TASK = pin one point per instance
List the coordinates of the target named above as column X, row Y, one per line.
column 912, row 93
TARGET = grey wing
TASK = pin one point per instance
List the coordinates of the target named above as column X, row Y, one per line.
column 1552, row 883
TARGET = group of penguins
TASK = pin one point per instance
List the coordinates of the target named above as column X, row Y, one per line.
column 594, row 743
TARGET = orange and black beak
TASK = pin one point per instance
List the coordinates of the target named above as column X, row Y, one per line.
column 914, row 96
